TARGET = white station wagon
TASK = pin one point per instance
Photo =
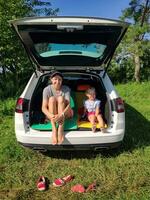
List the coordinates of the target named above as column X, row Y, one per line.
column 80, row 48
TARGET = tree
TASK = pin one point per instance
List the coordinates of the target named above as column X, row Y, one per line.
column 138, row 12
column 13, row 60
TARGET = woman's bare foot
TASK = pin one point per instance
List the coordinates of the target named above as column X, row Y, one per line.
column 60, row 138
column 54, row 138
column 60, row 134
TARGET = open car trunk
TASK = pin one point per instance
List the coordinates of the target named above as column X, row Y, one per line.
column 78, row 83
column 73, row 42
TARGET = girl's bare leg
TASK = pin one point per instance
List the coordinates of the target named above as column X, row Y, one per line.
column 101, row 121
column 92, row 118
column 52, row 106
column 61, row 107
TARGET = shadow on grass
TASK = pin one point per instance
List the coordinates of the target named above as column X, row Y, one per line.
column 70, row 154
column 137, row 135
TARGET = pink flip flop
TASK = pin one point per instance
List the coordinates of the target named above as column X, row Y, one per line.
column 41, row 183
column 68, row 178
column 58, row 182
column 91, row 187
column 78, row 188
column 62, row 181
column 81, row 189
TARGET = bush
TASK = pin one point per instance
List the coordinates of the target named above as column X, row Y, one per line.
column 7, row 107
column 122, row 72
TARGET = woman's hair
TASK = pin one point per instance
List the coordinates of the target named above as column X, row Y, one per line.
column 56, row 73
column 90, row 90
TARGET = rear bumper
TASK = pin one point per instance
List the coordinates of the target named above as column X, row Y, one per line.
column 93, row 147
column 74, row 140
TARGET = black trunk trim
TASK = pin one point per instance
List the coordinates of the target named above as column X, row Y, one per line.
column 96, row 147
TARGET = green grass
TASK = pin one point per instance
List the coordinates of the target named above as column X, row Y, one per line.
column 122, row 174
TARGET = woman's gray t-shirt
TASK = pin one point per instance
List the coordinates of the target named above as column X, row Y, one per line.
column 49, row 91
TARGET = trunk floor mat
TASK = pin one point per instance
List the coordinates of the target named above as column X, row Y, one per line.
column 87, row 124
column 70, row 124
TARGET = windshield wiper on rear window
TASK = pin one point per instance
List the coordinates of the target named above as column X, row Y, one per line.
column 70, row 52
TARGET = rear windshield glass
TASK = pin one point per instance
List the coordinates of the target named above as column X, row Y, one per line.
column 94, row 50
column 91, row 46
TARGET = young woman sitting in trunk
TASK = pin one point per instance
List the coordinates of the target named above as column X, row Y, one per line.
column 56, row 106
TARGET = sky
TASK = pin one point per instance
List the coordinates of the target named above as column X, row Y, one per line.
column 93, row 8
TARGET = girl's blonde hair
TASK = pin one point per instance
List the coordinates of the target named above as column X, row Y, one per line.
column 90, row 90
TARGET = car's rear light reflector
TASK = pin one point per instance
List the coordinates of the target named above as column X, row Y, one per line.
column 21, row 105
column 119, row 105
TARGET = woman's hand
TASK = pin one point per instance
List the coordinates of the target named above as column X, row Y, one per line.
column 51, row 116
column 59, row 118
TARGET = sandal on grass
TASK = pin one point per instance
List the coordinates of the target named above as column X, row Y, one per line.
column 62, row 181
column 81, row 189
column 68, row 178
column 91, row 187
column 78, row 188
column 41, row 183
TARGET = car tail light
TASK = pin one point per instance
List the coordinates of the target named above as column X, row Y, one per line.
column 22, row 105
column 119, row 105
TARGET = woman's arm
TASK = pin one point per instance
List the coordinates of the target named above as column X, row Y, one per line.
column 66, row 108
column 45, row 109
column 67, row 101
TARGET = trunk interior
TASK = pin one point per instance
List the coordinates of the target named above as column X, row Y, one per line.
column 78, row 83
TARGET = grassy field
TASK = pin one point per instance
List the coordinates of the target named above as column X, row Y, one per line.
column 123, row 174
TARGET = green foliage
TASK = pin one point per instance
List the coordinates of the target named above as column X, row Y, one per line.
column 14, row 62
column 122, row 69
column 136, row 9
column 134, row 42
column 121, row 72
column 138, row 47
column 145, row 69
column 7, row 107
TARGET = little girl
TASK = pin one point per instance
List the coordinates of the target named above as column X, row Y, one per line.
column 92, row 108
